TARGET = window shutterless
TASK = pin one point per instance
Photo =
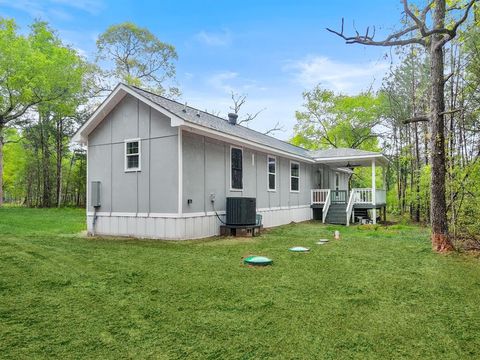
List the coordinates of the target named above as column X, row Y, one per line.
column 272, row 172
column 236, row 161
column 294, row 176
column 132, row 155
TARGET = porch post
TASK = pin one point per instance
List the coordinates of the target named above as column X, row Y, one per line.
column 374, row 190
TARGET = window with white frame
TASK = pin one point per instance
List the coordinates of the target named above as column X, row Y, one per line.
column 272, row 172
column 132, row 155
column 236, row 163
column 294, row 176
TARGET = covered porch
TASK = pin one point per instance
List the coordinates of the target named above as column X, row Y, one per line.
column 344, row 205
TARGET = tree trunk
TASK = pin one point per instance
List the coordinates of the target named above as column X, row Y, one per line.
column 438, row 205
column 59, row 150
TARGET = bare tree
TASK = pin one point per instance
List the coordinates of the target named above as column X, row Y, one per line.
column 433, row 39
column 240, row 100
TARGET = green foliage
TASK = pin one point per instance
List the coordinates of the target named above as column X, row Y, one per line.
column 331, row 120
column 15, row 158
column 139, row 58
column 44, row 84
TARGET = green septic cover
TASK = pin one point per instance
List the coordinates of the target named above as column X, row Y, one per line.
column 257, row 260
column 299, row 249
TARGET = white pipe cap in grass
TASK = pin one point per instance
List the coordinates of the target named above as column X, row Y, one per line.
column 299, row 249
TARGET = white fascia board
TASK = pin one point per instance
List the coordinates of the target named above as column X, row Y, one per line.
column 107, row 106
column 357, row 157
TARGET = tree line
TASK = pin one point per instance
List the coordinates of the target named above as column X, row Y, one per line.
column 47, row 90
column 425, row 116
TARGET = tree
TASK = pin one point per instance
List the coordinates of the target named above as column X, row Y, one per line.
column 139, row 57
column 240, row 100
column 33, row 71
column 331, row 120
column 433, row 39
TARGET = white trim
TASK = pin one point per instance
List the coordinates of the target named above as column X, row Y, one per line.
column 210, row 213
column 269, row 173
column 87, row 192
column 186, row 215
column 107, row 106
column 356, row 157
column 180, row 171
column 139, row 154
column 230, row 167
column 290, row 174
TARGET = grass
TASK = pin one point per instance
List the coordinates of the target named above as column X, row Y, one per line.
column 376, row 293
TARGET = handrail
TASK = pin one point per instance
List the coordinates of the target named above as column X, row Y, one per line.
column 351, row 201
column 326, row 206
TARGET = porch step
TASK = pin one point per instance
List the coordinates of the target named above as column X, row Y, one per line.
column 337, row 214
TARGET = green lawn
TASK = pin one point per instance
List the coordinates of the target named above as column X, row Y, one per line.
column 373, row 294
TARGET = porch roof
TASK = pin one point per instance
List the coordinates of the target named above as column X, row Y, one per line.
column 348, row 158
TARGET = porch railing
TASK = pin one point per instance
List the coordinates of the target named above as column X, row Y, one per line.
column 319, row 196
column 339, row 196
column 362, row 196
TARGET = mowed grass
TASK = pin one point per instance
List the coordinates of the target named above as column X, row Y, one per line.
column 376, row 293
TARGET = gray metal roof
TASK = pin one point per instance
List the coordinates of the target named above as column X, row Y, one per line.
column 340, row 153
column 217, row 123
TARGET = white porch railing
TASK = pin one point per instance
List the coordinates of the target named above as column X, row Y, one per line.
column 365, row 196
column 319, row 196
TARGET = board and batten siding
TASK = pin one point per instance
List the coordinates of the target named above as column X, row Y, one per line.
column 206, row 171
column 154, row 188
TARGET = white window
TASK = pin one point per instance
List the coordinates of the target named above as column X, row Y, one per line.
column 337, row 180
column 272, row 173
column 132, row 155
column 294, row 176
column 236, row 164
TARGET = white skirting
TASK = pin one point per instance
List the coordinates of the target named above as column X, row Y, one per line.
column 185, row 226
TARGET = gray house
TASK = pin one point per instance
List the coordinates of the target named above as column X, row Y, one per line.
column 161, row 169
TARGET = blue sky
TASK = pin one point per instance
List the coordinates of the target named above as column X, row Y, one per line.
column 270, row 50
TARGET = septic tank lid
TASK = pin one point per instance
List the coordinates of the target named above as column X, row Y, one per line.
column 299, row 249
column 257, row 260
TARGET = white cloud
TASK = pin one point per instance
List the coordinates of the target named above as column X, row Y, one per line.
column 54, row 9
column 222, row 38
column 350, row 78
column 222, row 81
column 93, row 7
column 228, row 81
